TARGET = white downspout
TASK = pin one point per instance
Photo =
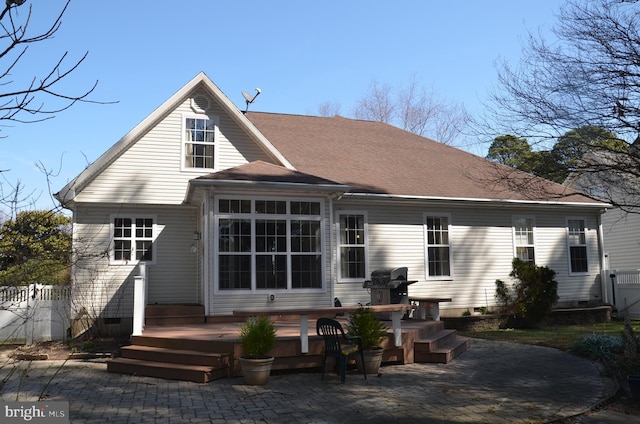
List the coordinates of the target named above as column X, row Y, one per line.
column 332, row 249
column 604, row 271
column 206, row 254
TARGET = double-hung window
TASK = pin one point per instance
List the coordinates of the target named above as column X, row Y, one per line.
column 132, row 239
column 577, row 242
column 523, row 236
column 352, row 246
column 199, row 142
column 266, row 244
column 438, row 245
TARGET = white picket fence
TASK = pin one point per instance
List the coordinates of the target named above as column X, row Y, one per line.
column 623, row 291
column 34, row 313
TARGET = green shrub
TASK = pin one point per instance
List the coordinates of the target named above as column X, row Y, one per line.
column 365, row 324
column 598, row 346
column 258, row 336
column 530, row 299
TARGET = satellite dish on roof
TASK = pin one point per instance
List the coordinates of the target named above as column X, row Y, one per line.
column 249, row 98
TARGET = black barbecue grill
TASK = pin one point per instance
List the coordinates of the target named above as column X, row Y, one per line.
column 388, row 286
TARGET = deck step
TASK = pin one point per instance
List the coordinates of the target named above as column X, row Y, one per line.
column 434, row 340
column 166, row 370
column 440, row 348
column 175, row 356
column 165, row 315
column 175, row 320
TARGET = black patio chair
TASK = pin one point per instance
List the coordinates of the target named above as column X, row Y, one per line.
column 338, row 345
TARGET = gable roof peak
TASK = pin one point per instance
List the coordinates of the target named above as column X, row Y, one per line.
column 199, row 82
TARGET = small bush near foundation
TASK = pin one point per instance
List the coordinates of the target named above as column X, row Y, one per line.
column 531, row 297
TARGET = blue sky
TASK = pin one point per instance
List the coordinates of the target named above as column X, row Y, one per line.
column 299, row 53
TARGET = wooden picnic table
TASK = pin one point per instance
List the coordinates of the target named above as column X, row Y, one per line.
column 397, row 311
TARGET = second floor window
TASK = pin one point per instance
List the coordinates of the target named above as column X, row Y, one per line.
column 199, row 143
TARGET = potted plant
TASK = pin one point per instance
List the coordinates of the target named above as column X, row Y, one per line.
column 365, row 324
column 258, row 337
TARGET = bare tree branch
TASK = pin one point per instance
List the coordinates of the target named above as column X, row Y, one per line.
column 413, row 109
column 36, row 99
column 589, row 77
column 377, row 105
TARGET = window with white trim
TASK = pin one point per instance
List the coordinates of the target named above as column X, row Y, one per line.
column 352, row 246
column 438, row 245
column 523, row 238
column 132, row 239
column 266, row 244
column 577, row 242
column 199, row 142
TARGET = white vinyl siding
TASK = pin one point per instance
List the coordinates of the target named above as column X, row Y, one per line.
column 106, row 289
column 484, row 251
column 621, row 235
column 150, row 170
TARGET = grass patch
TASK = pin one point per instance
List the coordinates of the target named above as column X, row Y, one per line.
column 558, row 336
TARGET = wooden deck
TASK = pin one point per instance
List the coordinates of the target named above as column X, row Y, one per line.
column 206, row 351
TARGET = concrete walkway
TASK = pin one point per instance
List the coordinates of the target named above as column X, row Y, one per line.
column 493, row 382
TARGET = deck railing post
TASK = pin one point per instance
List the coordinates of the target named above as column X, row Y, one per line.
column 396, row 317
column 139, row 299
column 304, row 333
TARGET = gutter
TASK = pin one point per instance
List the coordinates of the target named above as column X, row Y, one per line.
column 379, row 196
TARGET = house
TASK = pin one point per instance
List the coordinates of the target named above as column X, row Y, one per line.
column 613, row 176
column 234, row 210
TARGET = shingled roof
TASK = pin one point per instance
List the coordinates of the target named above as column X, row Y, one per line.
column 374, row 157
column 260, row 171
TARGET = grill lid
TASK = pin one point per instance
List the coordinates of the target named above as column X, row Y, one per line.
column 389, row 274
column 388, row 278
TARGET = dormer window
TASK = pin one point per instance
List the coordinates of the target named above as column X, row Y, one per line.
column 199, row 142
